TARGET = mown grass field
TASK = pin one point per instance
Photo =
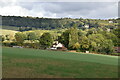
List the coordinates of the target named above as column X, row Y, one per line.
column 32, row 63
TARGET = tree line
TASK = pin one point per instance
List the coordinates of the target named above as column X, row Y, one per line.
column 94, row 39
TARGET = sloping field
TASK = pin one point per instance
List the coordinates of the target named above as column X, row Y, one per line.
column 7, row 32
column 32, row 63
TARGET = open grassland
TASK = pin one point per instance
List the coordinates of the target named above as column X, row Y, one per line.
column 53, row 32
column 7, row 32
column 32, row 63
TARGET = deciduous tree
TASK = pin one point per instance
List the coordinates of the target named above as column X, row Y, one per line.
column 46, row 40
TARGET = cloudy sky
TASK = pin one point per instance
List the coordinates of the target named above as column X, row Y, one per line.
column 57, row 9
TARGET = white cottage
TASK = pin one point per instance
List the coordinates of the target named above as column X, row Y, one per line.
column 86, row 26
column 58, row 46
column 110, row 21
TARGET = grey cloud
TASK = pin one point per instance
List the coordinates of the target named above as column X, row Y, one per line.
column 89, row 10
column 74, row 6
column 70, row 9
column 79, row 9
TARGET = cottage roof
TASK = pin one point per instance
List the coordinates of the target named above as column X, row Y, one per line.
column 59, row 45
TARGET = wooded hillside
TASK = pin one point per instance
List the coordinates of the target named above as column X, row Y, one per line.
column 54, row 23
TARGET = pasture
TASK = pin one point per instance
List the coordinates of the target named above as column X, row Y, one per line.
column 7, row 32
column 35, row 63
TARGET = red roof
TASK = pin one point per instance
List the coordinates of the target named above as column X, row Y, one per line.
column 117, row 49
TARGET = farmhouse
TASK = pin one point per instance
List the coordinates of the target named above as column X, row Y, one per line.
column 58, row 46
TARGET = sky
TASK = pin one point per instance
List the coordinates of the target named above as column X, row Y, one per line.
column 100, row 9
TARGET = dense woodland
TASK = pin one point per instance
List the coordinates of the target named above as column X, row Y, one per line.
column 100, row 37
column 27, row 23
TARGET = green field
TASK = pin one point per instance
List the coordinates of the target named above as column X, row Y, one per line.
column 32, row 63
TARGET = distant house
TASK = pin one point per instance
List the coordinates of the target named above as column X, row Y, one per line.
column 108, row 30
column 110, row 21
column 117, row 49
column 86, row 26
column 58, row 46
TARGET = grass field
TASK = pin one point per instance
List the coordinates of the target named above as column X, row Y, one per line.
column 32, row 63
column 7, row 32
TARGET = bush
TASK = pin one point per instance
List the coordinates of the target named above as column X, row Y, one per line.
column 9, row 43
column 116, row 54
column 78, row 50
column 32, row 45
